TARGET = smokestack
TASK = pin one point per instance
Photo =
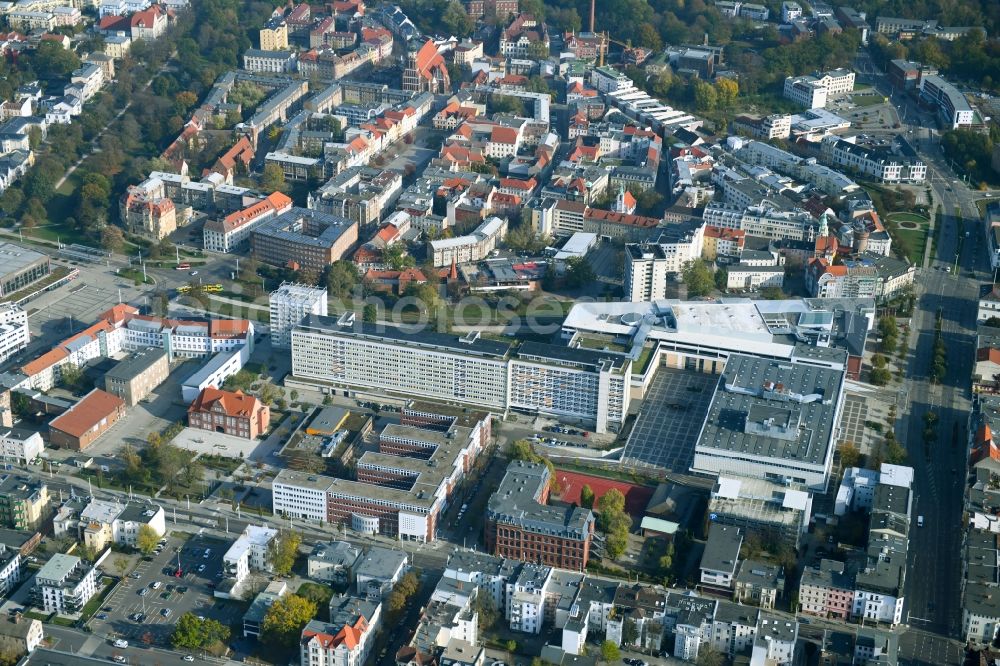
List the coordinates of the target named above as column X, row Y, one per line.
column 592, row 15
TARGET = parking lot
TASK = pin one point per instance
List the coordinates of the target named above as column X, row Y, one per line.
column 667, row 428
column 138, row 612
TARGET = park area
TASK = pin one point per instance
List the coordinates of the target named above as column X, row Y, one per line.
column 909, row 232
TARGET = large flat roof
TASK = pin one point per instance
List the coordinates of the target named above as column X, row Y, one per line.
column 765, row 408
column 407, row 336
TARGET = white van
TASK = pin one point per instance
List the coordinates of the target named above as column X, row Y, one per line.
column 920, row 521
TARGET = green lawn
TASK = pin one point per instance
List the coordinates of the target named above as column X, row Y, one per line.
column 867, row 100
column 915, row 239
column 641, row 363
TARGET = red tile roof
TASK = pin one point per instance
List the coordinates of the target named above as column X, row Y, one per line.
column 234, row 403
column 85, row 415
column 506, row 135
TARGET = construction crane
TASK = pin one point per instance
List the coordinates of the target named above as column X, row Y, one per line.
column 603, row 47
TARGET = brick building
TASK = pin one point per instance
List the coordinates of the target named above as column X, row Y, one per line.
column 521, row 526
column 236, row 414
column 83, row 423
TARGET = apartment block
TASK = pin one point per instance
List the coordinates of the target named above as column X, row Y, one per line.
column 290, row 305
column 65, row 584
column 877, row 163
column 347, row 639
column 24, row 502
column 954, row 110
column 232, row 232
column 14, row 332
column 467, row 249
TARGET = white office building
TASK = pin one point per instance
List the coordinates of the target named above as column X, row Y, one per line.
column 249, row 553
column 954, row 109
column 290, row 304
column 14, row 333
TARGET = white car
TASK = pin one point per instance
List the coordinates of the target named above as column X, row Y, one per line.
column 156, row 584
column 121, row 644
column 188, row 657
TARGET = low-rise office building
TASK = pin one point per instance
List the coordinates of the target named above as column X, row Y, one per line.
column 773, row 420
column 21, row 268
column 471, row 248
column 135, row 377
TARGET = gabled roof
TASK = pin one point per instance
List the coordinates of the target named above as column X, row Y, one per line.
column 85, row 415
column 233, row 403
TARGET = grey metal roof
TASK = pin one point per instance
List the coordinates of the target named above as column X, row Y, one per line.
column 516, row 502
column 380, row 563
column 722, row 549
column 408, row 336
column 805, row 396
column 136, row 364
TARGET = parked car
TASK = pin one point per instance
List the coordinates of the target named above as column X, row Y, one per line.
column 120, row 643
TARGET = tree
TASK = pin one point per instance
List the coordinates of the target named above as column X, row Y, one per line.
column 709, row 657
column 341, row 279
column 615, row 544
column 881, row 376
column 612, row 501
column 630, row 632
column 71, row 377
column 456, row 21
column 396, row 257
column 538, row 50
column 698, row 278
column 369, row 314
column 121, row 565
column 112, row 238
column 506, row 104
column 283, row 550
column 610, row 652
column 510, row 645
column 147, row 539
column 51, row 61
column 726, row 91
column 486, row 607
column 586, row 497
column 193, row 633
column 993, row 322
column 316, row 593
column 578, row 272
column 273, row 179
column 285, row 619
column 850, row 455
column 705, row 96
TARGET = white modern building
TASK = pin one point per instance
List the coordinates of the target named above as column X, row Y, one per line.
column 214, row 373
column 880, row 164
column 812, row 92
column 290, row 304
column 14, row 333
column 249, row 552
column 65, row 584
column 19, row 446
column 473, row 247
column 954, row 109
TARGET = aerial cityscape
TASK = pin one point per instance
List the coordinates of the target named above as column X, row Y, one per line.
column 499, row 333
